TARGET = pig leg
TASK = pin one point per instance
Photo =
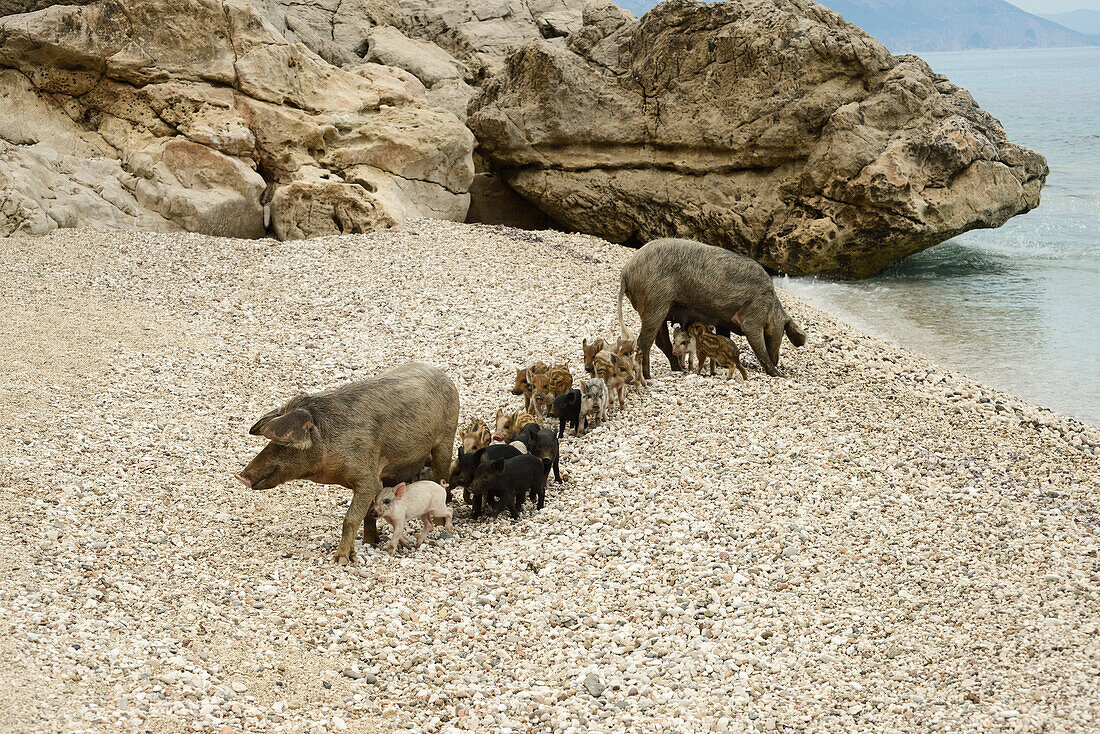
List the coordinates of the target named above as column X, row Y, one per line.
column 362, row 498
column 760, row 349
column 515, row 504
column 405, row 541
column 372, row 521
column 427, row 524
column 398, row 534
column 441, row 461
column 741, row 369
column 652, row 320
column 540, row 487
column 447, row 514
column 665, row 345
column 441, row 457
column 773, row 339
column 511, row 500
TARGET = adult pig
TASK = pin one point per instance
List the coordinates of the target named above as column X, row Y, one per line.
column 351, row 435
column 723, row 286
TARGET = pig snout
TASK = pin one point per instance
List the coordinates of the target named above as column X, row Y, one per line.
column 253, row 479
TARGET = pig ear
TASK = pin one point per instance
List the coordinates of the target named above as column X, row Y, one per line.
column 399, row 491
column 291, row 429
column 258, row 426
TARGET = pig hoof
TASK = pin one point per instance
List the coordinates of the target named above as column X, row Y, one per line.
column 343, row 560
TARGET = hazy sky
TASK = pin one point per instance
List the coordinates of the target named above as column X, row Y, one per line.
column 1056, row 6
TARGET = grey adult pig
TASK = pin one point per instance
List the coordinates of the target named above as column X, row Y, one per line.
column 352, row 435
column 723, row 286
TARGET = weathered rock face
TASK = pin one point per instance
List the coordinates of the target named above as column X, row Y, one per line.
column 196, row 114
column 451, row 46
column 769, row 127
column 477, row 35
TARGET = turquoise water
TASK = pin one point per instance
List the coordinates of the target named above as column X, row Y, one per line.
column 1016, row 307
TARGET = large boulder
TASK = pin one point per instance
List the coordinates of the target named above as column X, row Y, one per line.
column 770, row 127
column 196, row 114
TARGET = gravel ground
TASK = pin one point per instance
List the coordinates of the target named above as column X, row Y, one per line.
column 871, row 544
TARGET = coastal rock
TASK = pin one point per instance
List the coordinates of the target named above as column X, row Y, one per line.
column 773, row 129
column 301, row 209
column 482, row 34
column 196, row 114
column 477, row 34
column 425, row 60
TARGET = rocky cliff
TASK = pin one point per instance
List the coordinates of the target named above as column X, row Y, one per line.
column 198, row 114
column 771, row 127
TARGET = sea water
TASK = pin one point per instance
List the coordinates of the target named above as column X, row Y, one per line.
column 1016, row 307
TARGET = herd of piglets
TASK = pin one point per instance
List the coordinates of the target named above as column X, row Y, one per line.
column 379, row 435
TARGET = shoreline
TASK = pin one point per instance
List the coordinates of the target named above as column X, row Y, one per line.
column 727, row 555
column 815, row 293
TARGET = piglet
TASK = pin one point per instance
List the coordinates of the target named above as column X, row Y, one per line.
column 567, row 408
column 467, row 465
column 683, row 348
column 594, row 401
column 426, row 500
column 508, row 481
column 542, row 442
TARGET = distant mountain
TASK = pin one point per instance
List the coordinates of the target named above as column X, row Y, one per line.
column 954, row 25
column 943, row 25
column 1082, row 21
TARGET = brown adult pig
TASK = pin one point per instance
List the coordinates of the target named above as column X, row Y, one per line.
column 351, row 435
column 723, row 286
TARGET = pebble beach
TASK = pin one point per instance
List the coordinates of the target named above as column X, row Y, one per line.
column 871, row 543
